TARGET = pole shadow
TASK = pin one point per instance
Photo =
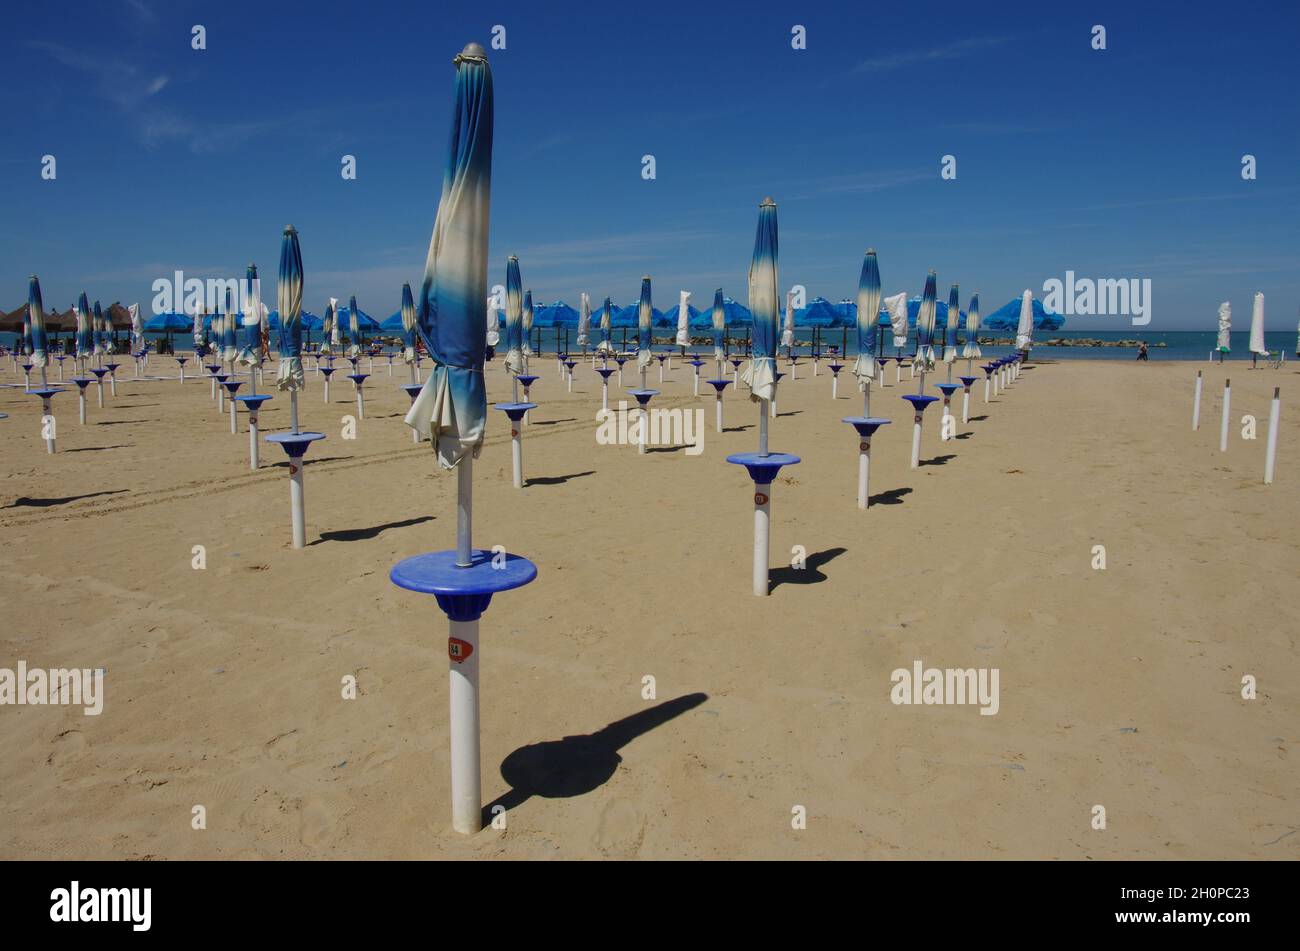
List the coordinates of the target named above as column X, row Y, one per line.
column 552, row 422
column 736, row 429
column 577, row 765
column 284, row 464
column 810, row 573
column 124, row 422
column 361, row 534
column 45, row 503
column 978, row 419
column 557, row 480
column 890, row 497
column 100, row 448
column 937, row 460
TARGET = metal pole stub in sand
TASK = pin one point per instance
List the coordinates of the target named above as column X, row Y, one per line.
column 762, row 470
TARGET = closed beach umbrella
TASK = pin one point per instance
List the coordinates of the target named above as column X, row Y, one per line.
column 896, row 307
column 1025, row 330
column 514, row 317
column 26, row 345
column 229, row 337
column 764, row 305
column 196, row 331
column 408, row 326
column 451, row 410
column 97, row 324
column 683, row 338
column 85, row 337
column 864, row 367
column 327, row 328
column 787, row 333
column 1257, row 347
column 336, row 325
column 289, row 304
column 644, row 317
column 354, row 329
column 250, row 353
column 584, row 320
column 606, row 315
column 36, row 327
column 137, row 327
column 971, row 350
column 950, row 335
column 528, row 316
column 924, row 356
column 719, row 329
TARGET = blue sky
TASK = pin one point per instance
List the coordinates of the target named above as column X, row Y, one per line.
column 1123, row 163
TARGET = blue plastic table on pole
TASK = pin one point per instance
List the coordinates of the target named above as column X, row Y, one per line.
column 919, row 403
column 295, row 446
column 947, row 389
column 413, row 391
column 866, row 427
column 526, row 380
column 358, row 379
column 252, row 403
column 516, row 411
column 327, row 372
column 82, row 382
column 232, row 387
column 966, row 382
column 718, row 387
column 112, row 377
column 762, row 470
column 463, row 594
column 643, row 398
column 835, row 369
column 604, row 386
column 47, row 416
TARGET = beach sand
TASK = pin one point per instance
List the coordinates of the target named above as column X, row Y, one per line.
column 1118, row 687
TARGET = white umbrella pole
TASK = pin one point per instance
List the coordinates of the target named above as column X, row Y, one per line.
column 81, row 401
column 866, row 399
column 762, row 427
column 234, row 425
column 643, row 434
column 1270, row 454
column 916, row 441
column 718, row 411
column 604, row 393
column 1196, row 403
column 296, row 502
column 252, row 441
column 49, row 428
column 697, row 381
column 762, row 528
column 466, row 786
column 100, row 389
column 517, row 453
column 361, row 404
column 464, row 513
column 327, row 389
column 293, row 411
column 1223, row 429
column 864, row 472
column 835, row 386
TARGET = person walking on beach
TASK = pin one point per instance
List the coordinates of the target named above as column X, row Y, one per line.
column 1142, row 351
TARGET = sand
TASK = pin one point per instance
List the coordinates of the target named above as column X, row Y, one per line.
column 1118, row 687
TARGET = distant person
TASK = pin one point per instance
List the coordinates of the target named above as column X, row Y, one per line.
column 1142, row 351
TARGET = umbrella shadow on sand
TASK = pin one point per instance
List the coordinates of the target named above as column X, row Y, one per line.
column 890, row 496
column 361, row 534
column 936, row 461
column 577, row 765
column 810, row 573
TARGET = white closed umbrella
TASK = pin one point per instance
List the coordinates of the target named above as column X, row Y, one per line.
column 684, row 319
column 787, row 331
column 1257, row 348
column 1025, row 332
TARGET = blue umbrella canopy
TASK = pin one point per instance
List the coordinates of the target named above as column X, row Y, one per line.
column 514, row 317
column 764, row 303
column 36, row 325
column 556, row 314
column 867, row 317
column 819, row 313
column 409, row 324
column 694, row 318
column 452, row 407
column 160, row 323
column 392, row 324
column 1007, row 317
column 288, row 299
column 644, row 321
column 85, row 337
column 972, row 348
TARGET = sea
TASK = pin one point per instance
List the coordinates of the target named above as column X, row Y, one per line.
column 1170, row 345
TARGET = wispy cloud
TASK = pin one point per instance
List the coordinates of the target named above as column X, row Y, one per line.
column 1246, row 191
column 116, row 81
column 954, row 50
column 862, row 182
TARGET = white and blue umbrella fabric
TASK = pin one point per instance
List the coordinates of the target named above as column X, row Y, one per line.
column 1225, row 327
column 85, row 336
column 719, row 327
column 229, row 334
column 97, row 324
column 328, row 330
column 924, row 355
column 606, row 316
column 408, row 325
column 864, row 367
column 26, row 345
column 514, row 317
column 196, row 331
column 644, row 319
column 1257, row 345
column 250, row 352
column 288, row 299
column 36, row 316
column 896, row 307
column 354, row 328
column 787, row 332
column 451, row 409
column 764, row 304
column 683, row 315
column 528, row 316
column 950, row 334
column 584, row 320
column 971, row 350
column 1025, row 330
column 137, row 327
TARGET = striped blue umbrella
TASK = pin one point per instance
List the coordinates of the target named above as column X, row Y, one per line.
column 584, row 321
column 765, row 305
column 864, row 367
column 950, row 336
column 229, row 340
column 97, row 326
column 250, row 354
column 514, row 317
column 452, row 408
column 924, row 355
column 972, row 349
column 719, row 327
column 606, row 321
column 527, row 322
column 644, row 320
column 85, row 337
column 354, row 328
column 26, row 345
column 36, row 318
column 328, row 328
column 288, row 300
column 408, row 325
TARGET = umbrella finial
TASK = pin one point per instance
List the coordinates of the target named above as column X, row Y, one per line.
column 473, row 52
column 767, row 202
column 290, row 229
